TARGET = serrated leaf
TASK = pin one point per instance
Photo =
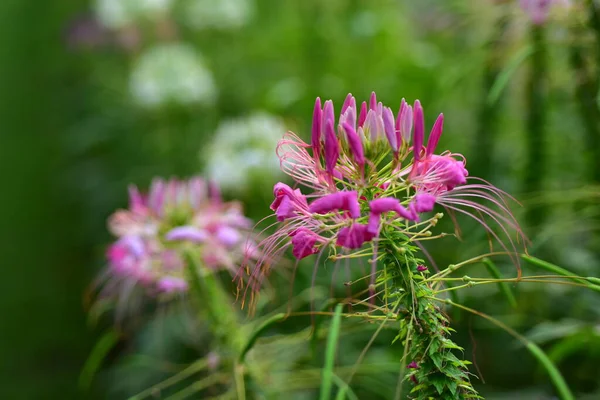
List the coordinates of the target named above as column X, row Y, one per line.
column 449, row 344
column 418, row 387
column 438, row 383
column 434, row 346
column 437, row 359
column 452, row 386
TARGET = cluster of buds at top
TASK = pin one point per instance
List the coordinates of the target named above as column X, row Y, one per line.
column 370, row 172
column 175, row 217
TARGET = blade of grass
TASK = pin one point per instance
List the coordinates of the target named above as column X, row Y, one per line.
column 332, row 340
column 504, row 76
column 99, row 352
column 256, row 334
column 555, row 376
column 345, row 390
column 503, row 286
column 194, row 368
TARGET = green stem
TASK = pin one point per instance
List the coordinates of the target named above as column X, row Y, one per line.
column 489, row 111
column 424, row 329
column 536, row 121
column 216, row 305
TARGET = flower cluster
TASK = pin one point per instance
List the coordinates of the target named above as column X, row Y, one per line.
column 240, row 155
column 368, row 182
column 175, row 217
column 171, row 74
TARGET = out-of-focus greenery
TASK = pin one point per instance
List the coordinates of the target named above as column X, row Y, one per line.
column 77, row 126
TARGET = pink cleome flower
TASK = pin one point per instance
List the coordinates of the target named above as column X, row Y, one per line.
column 366, row 180
column 174, row 219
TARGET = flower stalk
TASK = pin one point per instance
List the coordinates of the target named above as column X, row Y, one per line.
column 374, row 181
column 433, row 368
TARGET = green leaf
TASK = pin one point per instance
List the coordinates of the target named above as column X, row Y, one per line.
column 255, row 335
column 437, row 359
column 438, row 383
column 418, row 387
column 345, row 390
column 449, row 344
column 559, row 382
column 332, row 340
column 504, row 76
column 434, row 346
column 452, row 386
column 94, row 361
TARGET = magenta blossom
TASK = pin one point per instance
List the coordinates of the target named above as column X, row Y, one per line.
column 175, row 220
column 366, row 183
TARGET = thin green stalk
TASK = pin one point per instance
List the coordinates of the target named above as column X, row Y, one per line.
column 99, row 353
column 216, row 304
column 344, row 389
column 560, row 271
column 489, row 111
column 536, row 123
column 198, row 386
column 194, row 368
column 330, row 351
column 503, row 286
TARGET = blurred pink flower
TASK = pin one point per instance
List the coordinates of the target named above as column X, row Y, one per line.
column 175, row 220
column 539, row 10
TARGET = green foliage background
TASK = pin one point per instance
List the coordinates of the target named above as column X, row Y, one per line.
column 72, row 139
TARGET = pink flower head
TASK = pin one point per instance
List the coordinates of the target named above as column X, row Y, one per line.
column 370, row 174
column 175, row 218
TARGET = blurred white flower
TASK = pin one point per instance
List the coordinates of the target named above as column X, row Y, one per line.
column 242, row 151
column 221, row 14
column 116, row 14
column 171, row 73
